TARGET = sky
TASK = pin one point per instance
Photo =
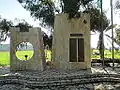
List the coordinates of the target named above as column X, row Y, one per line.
column 116, row 20
column 11, row 9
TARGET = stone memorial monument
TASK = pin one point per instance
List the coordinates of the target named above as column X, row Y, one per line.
column 37, row 62
column 71, row 42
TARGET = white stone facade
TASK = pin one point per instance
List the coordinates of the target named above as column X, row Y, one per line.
column 63, row 28
column 37, row 62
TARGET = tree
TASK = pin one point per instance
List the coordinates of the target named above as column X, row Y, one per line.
column 117, row 5
column 117, row 38
column 45, row 10
column 50, row 41
column 95, row 19
column 47, row 40
column 24, row 26
column 4, row 26
column 99, row 46
column 95, row 23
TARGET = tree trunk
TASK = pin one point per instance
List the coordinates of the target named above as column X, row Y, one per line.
column 101, row 46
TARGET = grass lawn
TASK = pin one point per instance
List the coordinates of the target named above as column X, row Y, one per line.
column 5, row 59
column 4, row 56
column 107, row 54
column 21, row 54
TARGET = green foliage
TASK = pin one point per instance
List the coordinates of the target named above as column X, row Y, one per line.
column 72, row 7
column 117, row 5
column 95, row 19
column 96, row 22
column 24, row 26
column 47, row 40
column 5, row 25
column 45, row 10
column 107, row 54
column 4, row 56
column 117, row 38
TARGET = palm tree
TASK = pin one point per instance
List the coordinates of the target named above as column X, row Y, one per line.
column 99, row 45
column 95, row 23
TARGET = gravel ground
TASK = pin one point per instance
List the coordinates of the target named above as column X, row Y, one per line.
column 55, row 72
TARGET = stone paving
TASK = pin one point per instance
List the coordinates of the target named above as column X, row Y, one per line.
column 60, row 73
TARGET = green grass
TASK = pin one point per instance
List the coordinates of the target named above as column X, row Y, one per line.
column 21, row 55
column 5, row 60
column 48, row 55
column 107, row 54
column 5, row 56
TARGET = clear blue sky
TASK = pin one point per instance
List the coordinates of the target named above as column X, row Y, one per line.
column 11, row 9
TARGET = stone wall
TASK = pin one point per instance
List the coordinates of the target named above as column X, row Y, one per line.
column 37, row 62
column 63, row 27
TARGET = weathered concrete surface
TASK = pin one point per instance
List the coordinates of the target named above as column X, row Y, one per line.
column 65, row 75
column 63, row 27
column 37, row 62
